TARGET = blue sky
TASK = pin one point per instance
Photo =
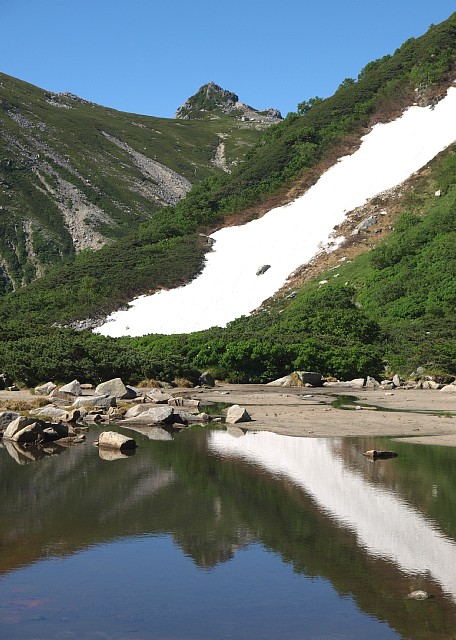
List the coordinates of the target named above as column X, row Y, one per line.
column 149, row 56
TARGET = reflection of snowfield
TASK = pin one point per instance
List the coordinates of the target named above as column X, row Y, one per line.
column 290, row 236
column 385, row 525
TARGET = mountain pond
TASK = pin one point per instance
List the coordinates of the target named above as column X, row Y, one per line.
column 227, row 533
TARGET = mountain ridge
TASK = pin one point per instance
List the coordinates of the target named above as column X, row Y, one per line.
column 75, row 175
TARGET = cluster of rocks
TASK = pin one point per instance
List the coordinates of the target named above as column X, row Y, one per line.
column 73, row 406
column 314, row 379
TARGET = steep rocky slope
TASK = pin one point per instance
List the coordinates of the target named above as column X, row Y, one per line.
column 75, row 175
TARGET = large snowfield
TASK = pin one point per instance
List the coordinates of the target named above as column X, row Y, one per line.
column 289, row 236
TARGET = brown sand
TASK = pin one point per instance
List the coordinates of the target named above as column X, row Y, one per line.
column 308, row 412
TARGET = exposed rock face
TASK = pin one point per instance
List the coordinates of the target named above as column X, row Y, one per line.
column 211, row 97
column 165, row 185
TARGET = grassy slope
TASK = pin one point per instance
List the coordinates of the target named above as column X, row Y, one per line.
column 68, row 143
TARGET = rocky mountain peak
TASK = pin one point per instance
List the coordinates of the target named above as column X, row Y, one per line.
column 211, row 98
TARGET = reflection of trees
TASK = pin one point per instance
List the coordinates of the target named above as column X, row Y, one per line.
column 211, row 507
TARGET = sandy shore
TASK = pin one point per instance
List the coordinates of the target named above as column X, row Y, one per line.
column 423, row 416
column 308, row 412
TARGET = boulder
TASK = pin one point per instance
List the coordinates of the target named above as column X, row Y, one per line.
column 371, row 383
column 285, row 381
column 138, row 409
column 184, row 402
column 431, row 384
column 31, row 433
column 154, row 415
column 206, row 380
column 51, row 412
column 237, row 414
column 449, row 388
column 186, row 417
column 397, row 382
column 6, row 417
column 114, row 440
column 357, row 383
column 157, row 396
column 116, row 388
column 310, row 377
column 73, row 388
column 17, row 425
column 58, row 430
column 99, row 402
column 299, row 379
column 45, row 389
column 263, row 269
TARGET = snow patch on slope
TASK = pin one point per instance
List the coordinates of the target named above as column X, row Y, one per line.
column 289, row 236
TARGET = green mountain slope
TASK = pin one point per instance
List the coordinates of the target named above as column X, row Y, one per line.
column 398, row 306
column 75, row 175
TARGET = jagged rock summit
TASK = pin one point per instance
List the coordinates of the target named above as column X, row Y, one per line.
column 211, row 98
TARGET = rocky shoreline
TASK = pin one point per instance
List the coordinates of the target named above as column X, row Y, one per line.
column 336, row 409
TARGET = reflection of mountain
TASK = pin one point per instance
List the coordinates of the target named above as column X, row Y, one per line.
column 65, row 503
column 386, row 526
column 212, row 505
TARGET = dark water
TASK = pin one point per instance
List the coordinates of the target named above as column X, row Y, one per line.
column 221, row 534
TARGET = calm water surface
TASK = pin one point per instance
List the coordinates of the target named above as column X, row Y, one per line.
column 225, row 534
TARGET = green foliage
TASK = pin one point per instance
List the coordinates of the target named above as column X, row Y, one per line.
column 399, row 307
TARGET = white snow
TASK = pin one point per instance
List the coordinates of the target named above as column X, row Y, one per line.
column 384, row 524
column 289, row 236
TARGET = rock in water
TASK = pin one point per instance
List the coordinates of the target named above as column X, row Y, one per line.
column 114, row 440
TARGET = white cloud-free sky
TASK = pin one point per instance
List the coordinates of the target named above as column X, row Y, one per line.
column 149, row 56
